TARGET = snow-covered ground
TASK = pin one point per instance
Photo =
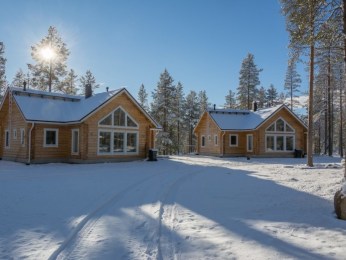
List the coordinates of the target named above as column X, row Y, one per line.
column 176, row 208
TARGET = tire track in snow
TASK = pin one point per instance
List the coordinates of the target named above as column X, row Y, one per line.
column 163, row 199
column 110, row 202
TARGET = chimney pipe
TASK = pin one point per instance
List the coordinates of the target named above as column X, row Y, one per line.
column 254, row 106
column 107, row 88
column 24, row 85
column 214, row 106
column 88, row 91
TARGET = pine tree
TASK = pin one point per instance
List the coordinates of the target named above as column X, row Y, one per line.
column 2, row 70
column 248, row 82
column 88, row 78
column 303, row 22
column 69, row 85
column 292, row 81
column 192, row 113
column 271, row 95
column 178, row 120
column 50, row 55
column 19, row 79
column 162, row 109
column 230, row 100
column 262, row 97
column 143, row 97
column 203, row 101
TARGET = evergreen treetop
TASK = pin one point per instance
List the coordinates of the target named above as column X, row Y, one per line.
column 2, row 69
column 50, row 56
column 248, row 82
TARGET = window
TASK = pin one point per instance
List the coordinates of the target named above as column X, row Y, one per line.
column 249, row 143
column 118, row 118
column 280, row 126
column 113, row 142
column 22, row 136
column 233, row 140
column 104, row 142
column 131, row 142
column 215, row 140
column 118, row 134
column 75, row 141
column 270, row 143
column 118, row 142
column 50, row 137
column 106, row 121
column 280, row 137
column 7, row 139
column 15, row 134
column 203, row 141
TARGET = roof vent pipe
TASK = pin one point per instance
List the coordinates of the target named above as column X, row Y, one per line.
column 24, row 85
column 88, row 90
column 254, row 106
column 214, row 106
column 107, row 88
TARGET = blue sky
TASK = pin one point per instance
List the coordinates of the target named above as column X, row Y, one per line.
column 126, row 43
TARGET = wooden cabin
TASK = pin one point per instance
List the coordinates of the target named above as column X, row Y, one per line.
column 269, row 132
column 42, row 127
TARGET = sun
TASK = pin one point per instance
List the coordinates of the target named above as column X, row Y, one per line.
column 47, row 53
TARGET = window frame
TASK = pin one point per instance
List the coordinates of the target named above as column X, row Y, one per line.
column 74, row 130
column 126, row 142
column 284, row 150
column 230, row 140
column 14, row 134
column 216, row 140
column 111, row 114
column 247, row 142
column 56, row 145
column 22, row 137
column 202, row 141
column 280, row 132
column 7, row 139
column 112, row 152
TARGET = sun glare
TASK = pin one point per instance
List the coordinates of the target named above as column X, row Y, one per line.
column 47, row 53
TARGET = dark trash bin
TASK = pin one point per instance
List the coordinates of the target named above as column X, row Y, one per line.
column 152, row 155
column 298, row 153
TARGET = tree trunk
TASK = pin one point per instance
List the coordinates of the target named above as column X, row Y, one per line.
column 325, row 122
column 330, row 118
column 344, row 29
column 311, row 112
column 341, row 139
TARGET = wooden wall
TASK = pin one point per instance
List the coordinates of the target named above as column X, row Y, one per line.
column 207, row 127
column 143, row 132
column 293, row 122
column 88, row 136
column 13, row 122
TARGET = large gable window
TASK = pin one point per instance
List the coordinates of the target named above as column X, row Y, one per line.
column 280, row 137
column 118, row 118
column 280, row 126
column 118, row 134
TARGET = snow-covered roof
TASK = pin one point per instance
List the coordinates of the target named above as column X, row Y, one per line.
column 60, row 108
column 233, row 119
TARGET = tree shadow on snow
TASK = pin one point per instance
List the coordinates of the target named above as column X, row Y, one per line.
column 232, row 199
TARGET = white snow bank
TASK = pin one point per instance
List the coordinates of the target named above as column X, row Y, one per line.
column 179, row 208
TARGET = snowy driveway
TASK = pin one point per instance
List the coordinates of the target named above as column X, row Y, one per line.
column 178, row 208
